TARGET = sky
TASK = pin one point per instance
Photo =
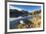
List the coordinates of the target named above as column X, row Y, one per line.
column 25, row 7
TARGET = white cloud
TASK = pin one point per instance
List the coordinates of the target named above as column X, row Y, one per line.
column 12, row 7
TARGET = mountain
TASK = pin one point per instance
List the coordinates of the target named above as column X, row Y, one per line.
column 35, row 12
column 17, row 13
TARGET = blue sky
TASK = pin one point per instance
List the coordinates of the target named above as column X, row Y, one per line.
column 25, row 7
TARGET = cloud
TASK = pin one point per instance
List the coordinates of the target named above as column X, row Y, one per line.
column 12, row 7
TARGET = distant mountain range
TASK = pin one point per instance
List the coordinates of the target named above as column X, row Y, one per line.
column 17, row 13
column 35, row 12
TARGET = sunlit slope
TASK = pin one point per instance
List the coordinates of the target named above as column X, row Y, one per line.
column 34, row 22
